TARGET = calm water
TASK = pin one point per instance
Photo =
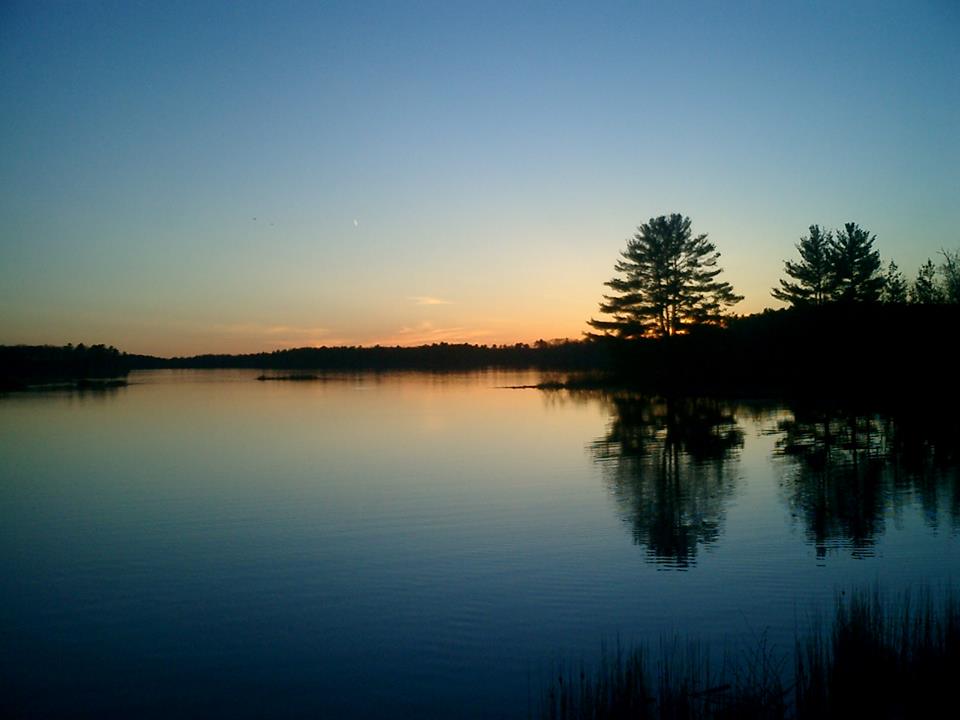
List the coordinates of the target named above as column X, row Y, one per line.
column 425, row 545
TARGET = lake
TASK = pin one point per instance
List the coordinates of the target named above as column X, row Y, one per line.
column 428, row 545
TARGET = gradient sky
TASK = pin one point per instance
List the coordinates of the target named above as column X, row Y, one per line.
column 178, row 178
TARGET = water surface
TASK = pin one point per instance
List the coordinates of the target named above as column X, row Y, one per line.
column 426, row 545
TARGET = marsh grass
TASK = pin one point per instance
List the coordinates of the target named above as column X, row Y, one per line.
column 875, row 658
column 683, row 681
column 881, row 658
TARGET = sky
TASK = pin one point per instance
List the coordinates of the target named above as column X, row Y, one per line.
column 188, row 177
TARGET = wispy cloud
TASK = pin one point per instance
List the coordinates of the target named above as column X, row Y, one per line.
column 427, row 300
column 425, row 333
column 276, row 335
column 263, row 329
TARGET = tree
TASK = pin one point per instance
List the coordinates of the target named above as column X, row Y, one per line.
column 855, row 265
column 894, row 285
column 812, row 273
column 951, row 275
column 926, row 290
column 669, row 283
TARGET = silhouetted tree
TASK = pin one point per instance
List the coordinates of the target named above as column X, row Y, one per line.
column 812, row 274
column 894, row 285
column 668, row 284
column 855, row 265
column 926, row 290
column 951, row 275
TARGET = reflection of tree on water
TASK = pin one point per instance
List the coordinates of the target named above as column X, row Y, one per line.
column 848, row 469
column 667, row 464
column 837, row 487
column 925, row 443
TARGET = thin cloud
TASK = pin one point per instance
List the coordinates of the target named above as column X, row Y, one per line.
column 261, row 329
column 427, row 300
column 426, row 333
column 276, row 336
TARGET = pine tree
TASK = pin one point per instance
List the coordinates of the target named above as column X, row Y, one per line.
column 812, row 273
column 668, row 284
column 926, row 290
column 951, row 276
column 894, row 285
column 854, row 265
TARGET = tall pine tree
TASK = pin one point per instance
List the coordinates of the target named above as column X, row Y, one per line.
column 668, row 283
column 951, row 276
column 894, row 285
column 811, row 276
column 854, row 265
column 926, row 290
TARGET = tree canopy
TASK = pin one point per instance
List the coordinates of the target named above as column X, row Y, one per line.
column 855, row 265
column 668, row 282
column 894, row 285
column 926, row 290
column 835, row 266
column 951, row 275
column 812, row 275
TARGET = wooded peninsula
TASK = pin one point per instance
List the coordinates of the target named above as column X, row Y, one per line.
column 851, row 326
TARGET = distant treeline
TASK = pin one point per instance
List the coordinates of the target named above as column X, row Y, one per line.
column 22, row 365
column 840, row 347
column 567, row 354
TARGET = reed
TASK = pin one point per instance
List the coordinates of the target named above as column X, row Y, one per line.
column 876, row 657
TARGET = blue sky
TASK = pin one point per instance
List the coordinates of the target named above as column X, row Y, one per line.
column 188, row 177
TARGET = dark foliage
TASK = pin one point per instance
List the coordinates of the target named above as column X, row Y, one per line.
column 839, row 266
column 668, row 283
column 568, row 355
column 926, row 290
column 811, row 284
column 23, row 365
column 894, row 285
column 820, row 350
column 840, row 348
column 854, row 266
column 950, row 269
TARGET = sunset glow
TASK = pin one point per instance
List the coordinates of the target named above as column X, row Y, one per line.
column 338, row 174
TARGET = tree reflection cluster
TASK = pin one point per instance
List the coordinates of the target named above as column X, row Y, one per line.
column 672, row 466
column 846, row 470
column 668, row 465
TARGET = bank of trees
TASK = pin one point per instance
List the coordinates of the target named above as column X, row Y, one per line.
column 844, row 266
column 668, row 279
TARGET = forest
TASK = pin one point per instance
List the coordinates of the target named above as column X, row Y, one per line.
column 852, row 324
